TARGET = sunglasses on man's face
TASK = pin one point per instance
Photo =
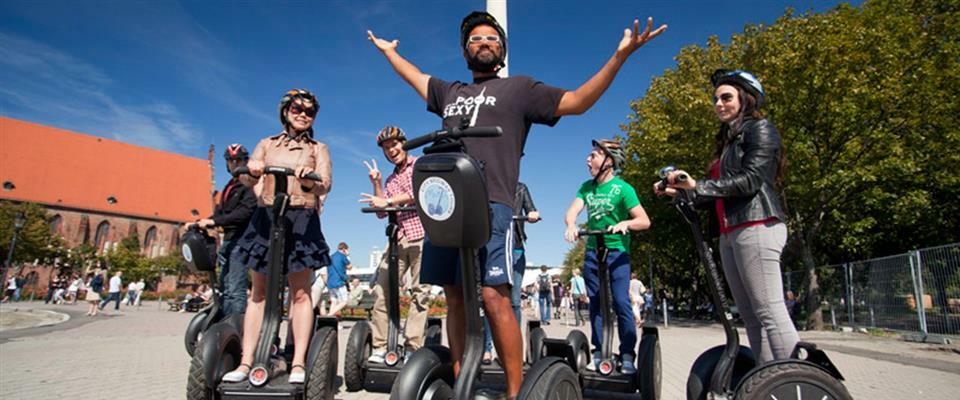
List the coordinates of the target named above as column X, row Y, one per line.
column 484, row 38
column 297, row 109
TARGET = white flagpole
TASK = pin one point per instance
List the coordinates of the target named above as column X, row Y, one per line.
column 498, row 8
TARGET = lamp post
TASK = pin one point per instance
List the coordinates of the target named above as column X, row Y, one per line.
column 18, row 224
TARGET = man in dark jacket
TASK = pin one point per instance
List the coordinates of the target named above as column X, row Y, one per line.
column 232, row 213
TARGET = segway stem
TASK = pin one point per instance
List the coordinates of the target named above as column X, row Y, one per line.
column 723, row 373
column 393, row 273
column 473, row 349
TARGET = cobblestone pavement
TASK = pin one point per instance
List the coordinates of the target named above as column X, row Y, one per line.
column 138, row 353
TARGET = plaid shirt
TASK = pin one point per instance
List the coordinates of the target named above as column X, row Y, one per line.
column 400, row 182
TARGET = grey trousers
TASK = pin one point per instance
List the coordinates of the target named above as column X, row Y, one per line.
column 751, row 263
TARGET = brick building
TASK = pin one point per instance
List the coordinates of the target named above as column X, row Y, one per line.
column 100, row 191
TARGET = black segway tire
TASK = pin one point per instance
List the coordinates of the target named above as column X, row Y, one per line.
column 580, row 348
column 194, row 330
column 535, row 350
column 698, row 383
column 649, row 372
column 557, row 382
column 793, row 380
column 427, row 375
column 434, row 336
column 323, row 369
column 355, row 360
column 198, row 386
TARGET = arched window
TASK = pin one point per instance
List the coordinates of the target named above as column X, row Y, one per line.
column 150, row 237
column 55, row 223
column 101, row 236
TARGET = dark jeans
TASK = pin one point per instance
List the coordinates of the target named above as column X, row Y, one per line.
column 234, row 277
column 112, row 296
column 619, row 269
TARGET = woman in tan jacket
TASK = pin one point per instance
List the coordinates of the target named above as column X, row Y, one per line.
column 307, row 250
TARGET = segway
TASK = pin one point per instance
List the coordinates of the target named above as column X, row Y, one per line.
column 607, row 377
column 219, row 349
column 357, row 372
column 198, row 250
column 453, row 205
column 731, row 371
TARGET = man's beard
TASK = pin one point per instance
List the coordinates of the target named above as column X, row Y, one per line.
column 483, row 64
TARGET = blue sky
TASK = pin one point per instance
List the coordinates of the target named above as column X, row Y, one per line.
column 180, row 76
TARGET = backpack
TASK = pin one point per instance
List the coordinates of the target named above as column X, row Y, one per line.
column 543, row 281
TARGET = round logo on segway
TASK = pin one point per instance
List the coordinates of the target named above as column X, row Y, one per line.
column 187, row 255
column 258, row 376
column 436, row 198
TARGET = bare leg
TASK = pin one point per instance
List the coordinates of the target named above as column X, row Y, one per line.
column 253, row 318
column 301, row 313
column 506, row 335
column 455, row 325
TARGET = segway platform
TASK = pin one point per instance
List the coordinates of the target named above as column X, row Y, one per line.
column 276, row 388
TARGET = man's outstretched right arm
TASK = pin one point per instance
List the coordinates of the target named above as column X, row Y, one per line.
column 409, row 72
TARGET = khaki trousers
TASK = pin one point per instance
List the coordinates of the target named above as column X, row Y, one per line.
column 409, row 261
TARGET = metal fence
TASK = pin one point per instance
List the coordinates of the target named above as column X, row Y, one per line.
column 884, row 292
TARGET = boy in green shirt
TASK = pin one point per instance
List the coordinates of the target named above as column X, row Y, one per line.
column 612, row 205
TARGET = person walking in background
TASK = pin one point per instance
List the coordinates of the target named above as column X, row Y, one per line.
column 337, row 279
column 636, row 297
column 131, row 294
column 94, row 287
column 543, row 295
column 141, row 286
column 113, row 293
column 75, row 283
column 578, row 292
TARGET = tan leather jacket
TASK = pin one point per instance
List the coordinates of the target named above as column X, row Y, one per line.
column 283, row 151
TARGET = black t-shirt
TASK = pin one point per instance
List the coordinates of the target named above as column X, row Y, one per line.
column 513, row 104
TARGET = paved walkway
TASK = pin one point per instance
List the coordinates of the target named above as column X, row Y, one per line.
column 139, row 352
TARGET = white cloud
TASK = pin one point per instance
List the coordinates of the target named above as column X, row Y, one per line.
column 50, row 86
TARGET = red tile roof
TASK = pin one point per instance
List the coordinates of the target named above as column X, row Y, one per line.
column 61, row 168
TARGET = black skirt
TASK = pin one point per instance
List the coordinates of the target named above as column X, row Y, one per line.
column 305, row 246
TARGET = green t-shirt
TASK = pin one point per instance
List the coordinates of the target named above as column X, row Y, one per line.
column 607, row 205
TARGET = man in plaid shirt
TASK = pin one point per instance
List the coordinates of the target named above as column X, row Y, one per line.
column 398, row 191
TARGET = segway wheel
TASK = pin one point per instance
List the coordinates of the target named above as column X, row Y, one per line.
column 194, row 330
column 580, row 347
column 698, row 383
column 434, row 336
column 428, row 375
column 557, row 382
column 649, row 371
column 358, row 351
column 323, row 369
column 791, row 380
column 535, row 351
column 198, row 388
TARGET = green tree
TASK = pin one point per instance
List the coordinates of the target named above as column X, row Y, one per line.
column 867, row 100
column 34, row 241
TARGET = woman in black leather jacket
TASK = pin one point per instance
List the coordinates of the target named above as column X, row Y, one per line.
column 746, row 167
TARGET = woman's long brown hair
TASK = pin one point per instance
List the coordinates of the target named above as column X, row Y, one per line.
column 728, row 131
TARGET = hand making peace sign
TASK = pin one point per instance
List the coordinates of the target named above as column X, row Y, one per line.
column 373, row 172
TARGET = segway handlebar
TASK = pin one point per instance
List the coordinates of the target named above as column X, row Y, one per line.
column 525, row 219
column 282, row 171
column 595, row 232
column 663, row 176
column 387, row 209
column 454, row 134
